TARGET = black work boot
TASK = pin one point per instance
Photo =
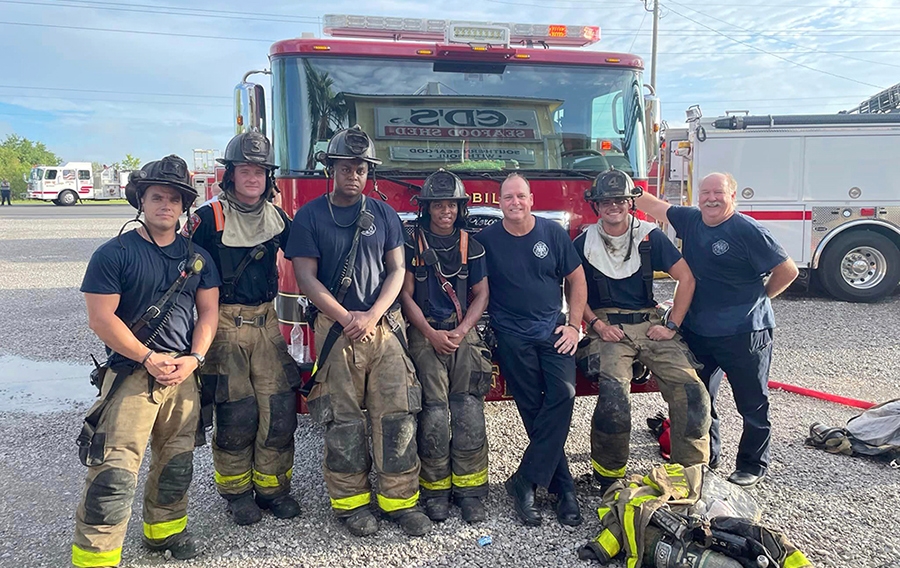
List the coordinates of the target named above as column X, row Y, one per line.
column 361, row 522
column 567, row 510
column 472, row 509
column 181, row 545
column 283, row 506
column 243, row 509
column 438, row 508
column 604, row 482
column 522, row 492
column 413, row 521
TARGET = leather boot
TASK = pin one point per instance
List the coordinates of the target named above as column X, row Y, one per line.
column 438, row 508
column 413, row 521
column 472, row 509
column 283, row 506
column 522, row 492
column 243, row 508
column 567, row 510
column 181, row 545
column 361, row 522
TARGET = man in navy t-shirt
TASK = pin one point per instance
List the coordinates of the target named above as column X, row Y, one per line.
column 363, row 373
column 619, row 254
column 729, row 324
column 528, row 259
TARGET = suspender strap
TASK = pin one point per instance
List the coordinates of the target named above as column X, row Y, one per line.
column 218, row 215
column 167, row 301
column 646, row 268
column 230, row 278
column 421, row 289
column 350, row 262
column 462, row 278
column 333, row 333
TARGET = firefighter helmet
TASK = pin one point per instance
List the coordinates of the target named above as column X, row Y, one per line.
column 350, row 144
column 442, row 185
column 611, row 184
column 171, row 171
column 249, row 148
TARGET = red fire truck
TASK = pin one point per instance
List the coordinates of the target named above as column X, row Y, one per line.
column 478, row 99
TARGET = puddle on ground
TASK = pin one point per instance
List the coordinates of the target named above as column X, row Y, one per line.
column 42, row 386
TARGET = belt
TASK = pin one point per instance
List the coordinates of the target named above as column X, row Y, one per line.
column 443, row 325
column 255, row 321
column 617, row 319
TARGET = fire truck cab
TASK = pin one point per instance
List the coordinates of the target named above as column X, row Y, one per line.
column 481, row 100
column 825, row 185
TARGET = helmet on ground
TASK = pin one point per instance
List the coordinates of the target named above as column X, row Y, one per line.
column 249, row 148
column 442, row 185
column 171, row 171
column 350, row 144
column 611, row 184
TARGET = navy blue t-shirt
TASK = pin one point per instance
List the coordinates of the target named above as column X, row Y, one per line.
column 628, row 293
column 139, row 273
column 728, row 262
column 315, row 235
column 440, row 306
column 525, row 276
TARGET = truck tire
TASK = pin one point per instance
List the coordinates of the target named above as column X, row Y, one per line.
column 860, row 266
column 67, row 197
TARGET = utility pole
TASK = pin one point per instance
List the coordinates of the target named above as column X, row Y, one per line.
column 655, row 41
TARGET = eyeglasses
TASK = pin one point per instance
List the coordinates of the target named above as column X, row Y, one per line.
column 611, row 202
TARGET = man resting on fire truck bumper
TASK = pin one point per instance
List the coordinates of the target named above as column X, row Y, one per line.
column 249, row 376
column 453, row 363
column 619, row 254
column 347, row 253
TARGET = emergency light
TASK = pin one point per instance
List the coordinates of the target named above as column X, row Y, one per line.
column 483, row 33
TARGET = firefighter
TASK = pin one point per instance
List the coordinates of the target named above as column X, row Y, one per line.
column 619, row 255
column 452, row 361
column 5, row 192
column 730, row 323
column 249, row 371
column 528, row 260
column 347, row 252
column 141, row 290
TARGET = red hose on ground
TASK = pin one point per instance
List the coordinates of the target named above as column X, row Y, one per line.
column 822, row 395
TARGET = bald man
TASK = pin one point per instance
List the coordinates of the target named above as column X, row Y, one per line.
column 729, row 324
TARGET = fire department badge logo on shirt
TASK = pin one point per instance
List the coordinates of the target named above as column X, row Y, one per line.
column 540, row 249
column 368, row 232
column 720, row 247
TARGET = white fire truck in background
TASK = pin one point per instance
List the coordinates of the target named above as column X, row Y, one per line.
column 72, row 181
column 825, row 185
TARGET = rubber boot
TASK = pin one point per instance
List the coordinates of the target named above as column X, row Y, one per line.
column 438, row 508
column 361, row 522
column 472, row 509
column 413, row 521
column 243, row 508
column 282, row 506
column 181, row 545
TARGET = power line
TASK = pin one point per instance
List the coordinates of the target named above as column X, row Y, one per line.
column 113, row 30
column 92, row 100
column 167, row 12
column 233, row 12
column 781, row 40
column 40, row 88
column 751, row 46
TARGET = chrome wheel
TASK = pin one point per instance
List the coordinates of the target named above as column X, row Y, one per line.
column 863, row 267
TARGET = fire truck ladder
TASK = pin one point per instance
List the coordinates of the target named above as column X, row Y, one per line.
column 887, row 101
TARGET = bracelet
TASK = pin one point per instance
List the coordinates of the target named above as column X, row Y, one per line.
column 573, row 326
column 147, row 356
column 592, row 322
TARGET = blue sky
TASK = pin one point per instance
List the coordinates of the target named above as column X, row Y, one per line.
column 95, row 80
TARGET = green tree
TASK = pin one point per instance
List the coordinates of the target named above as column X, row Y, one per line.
column 18, row 155
column 130, row 163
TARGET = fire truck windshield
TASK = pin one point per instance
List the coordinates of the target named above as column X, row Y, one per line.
column 425, row 114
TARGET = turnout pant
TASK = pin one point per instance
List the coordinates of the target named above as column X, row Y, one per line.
column 746, row 359
column 671, row 363
column 375, row 379
column 168, row 417
column 252, row 375
column 452, row 440
column 542, row 383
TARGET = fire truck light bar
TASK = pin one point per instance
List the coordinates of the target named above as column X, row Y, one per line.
column 485, row 33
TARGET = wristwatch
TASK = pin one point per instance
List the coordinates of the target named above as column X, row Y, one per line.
column 673, row 326
column 201, row 360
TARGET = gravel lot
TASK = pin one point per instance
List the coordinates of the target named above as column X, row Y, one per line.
column 841, row 511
